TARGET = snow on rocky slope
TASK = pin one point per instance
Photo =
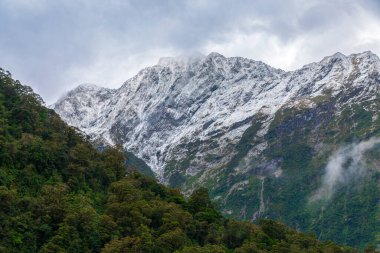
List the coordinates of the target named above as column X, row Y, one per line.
column 257, row 137
column 206, row 101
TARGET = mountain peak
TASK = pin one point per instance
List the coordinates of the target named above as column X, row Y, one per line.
column 214, row 121
column 89, row 86
column 215, row 55
column 183, row 59
column 183, row 98
column 369, row 55
column 338, row 56
column 366, row 56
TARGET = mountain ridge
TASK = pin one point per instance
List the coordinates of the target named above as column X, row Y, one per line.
column 257, row 137
column 60, row 194
column 132, row 85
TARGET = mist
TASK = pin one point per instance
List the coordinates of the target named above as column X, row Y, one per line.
column 343, row 166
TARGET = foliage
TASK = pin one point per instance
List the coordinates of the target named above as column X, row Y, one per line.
column 287, row 165
column 59, row 194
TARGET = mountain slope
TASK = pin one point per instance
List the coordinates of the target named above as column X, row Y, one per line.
column 60, row 194
column 259, row 138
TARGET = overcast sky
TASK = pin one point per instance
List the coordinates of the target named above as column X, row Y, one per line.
column 54, row 45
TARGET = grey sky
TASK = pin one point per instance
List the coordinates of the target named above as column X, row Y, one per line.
column 54, row 45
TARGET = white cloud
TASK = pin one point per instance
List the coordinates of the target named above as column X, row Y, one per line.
column 53, row 45
column 260, row 46
column 354, row 30
column 117, row 67
column 344, row 165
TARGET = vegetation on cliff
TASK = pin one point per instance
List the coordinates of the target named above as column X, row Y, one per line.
column 59, row 194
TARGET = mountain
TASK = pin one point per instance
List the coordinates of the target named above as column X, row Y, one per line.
column 261, row 139
column 60, row 194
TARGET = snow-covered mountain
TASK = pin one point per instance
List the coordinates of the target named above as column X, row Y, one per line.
column 195, row 100
column 257, row 137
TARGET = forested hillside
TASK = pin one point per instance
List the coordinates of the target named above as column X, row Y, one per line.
column 59, row 194
column 260, row 139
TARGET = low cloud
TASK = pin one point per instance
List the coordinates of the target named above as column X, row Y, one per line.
column 55, row 45
column 344, row 165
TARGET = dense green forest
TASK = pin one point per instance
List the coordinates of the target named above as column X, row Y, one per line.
column 59, row 194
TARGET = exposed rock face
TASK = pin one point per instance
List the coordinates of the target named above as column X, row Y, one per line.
column 232, row 124
column 207, row 100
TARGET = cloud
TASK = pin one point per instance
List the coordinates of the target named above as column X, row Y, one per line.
column 344, row 165
column 306, row 34
column 55, row 45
